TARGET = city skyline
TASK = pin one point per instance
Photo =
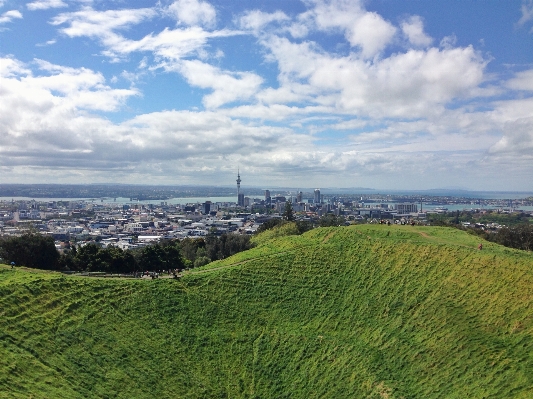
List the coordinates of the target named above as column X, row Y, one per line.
column 379, row 94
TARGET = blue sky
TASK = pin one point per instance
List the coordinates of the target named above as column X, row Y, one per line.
column 342, row 93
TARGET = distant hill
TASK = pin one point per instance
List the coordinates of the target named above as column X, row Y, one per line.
column 348, row 312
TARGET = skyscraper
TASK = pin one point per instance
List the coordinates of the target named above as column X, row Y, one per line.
column 317, row 196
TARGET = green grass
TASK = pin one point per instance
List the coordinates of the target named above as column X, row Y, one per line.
column 363, row 311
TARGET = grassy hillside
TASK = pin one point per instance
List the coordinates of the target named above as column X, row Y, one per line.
column 361, row 311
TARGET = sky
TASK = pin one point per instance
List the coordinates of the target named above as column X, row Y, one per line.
column 385, row 94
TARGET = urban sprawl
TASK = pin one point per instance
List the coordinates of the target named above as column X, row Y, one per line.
column 137, row 224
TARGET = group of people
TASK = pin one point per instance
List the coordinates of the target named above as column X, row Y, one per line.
column 154, row 275
column 402, row 222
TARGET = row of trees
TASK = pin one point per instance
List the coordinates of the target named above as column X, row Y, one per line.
column 485, row 217
column 38, row 251
column 32, row 250
column 519, row 237
column 92, row 258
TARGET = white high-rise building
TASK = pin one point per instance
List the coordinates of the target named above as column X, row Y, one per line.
column 317, row 196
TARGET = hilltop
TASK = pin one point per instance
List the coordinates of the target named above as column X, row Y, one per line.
column 361, row 311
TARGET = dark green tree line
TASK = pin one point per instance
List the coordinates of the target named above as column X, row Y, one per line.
column 38, row 251
column 31, row 250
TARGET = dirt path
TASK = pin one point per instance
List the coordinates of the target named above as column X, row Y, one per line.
column 327, row 237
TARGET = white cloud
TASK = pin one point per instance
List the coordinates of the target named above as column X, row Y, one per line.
column 298, row 30
column 9, row 16
column 47, row 43
column 372, row 33
column 351, row 113
column 511, row 110
column 193, row 12
column 256, row 20
column 50, row 113
column 101, row 24
column 412, row 84
column 45, row 4
column 522, row 81
column 448, row 42
column 11, row 67
column 527, row 12
column 57, row 133
column 517, row 140
column 367, row 30
column 169, row 44
column 227, row 87
column 413, row 29
column 57, row 94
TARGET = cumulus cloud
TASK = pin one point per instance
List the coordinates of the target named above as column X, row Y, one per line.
column 45, row 4
column 372, row 33
column 413, row 29
column 256, row 20
column 227, row 87
column 517, row 139
column 48, row 112
column 522, row 81
column 9, row 16
column 338, row 101
column 193, row 12
column 366, row 30
column 42, row 108
column 410, row 84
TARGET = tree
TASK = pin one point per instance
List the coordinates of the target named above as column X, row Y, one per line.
column 86, row 257
column 189, row 247
column 288, row 213
column 456, row 219
column 269, row 224
column 224, row 246
column 330, row 219
column 152, row 258
column 201, row 261
column 304, row 226
column 31, row 250
column 520, row 237
column 161, row 257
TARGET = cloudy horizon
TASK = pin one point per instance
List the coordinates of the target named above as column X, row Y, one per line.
column 339, row 93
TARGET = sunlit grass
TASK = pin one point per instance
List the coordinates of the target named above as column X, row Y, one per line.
column 360, row 311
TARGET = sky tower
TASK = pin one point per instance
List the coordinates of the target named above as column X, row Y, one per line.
column 240, row 197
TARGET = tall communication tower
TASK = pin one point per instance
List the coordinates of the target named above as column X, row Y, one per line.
column 240, row 197
column 238, row 183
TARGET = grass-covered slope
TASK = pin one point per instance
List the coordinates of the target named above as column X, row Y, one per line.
column 362, row 311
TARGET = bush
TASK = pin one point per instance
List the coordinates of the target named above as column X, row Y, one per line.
column 201, row 261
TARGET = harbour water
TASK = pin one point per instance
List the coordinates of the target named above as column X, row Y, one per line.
column 231, row 199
